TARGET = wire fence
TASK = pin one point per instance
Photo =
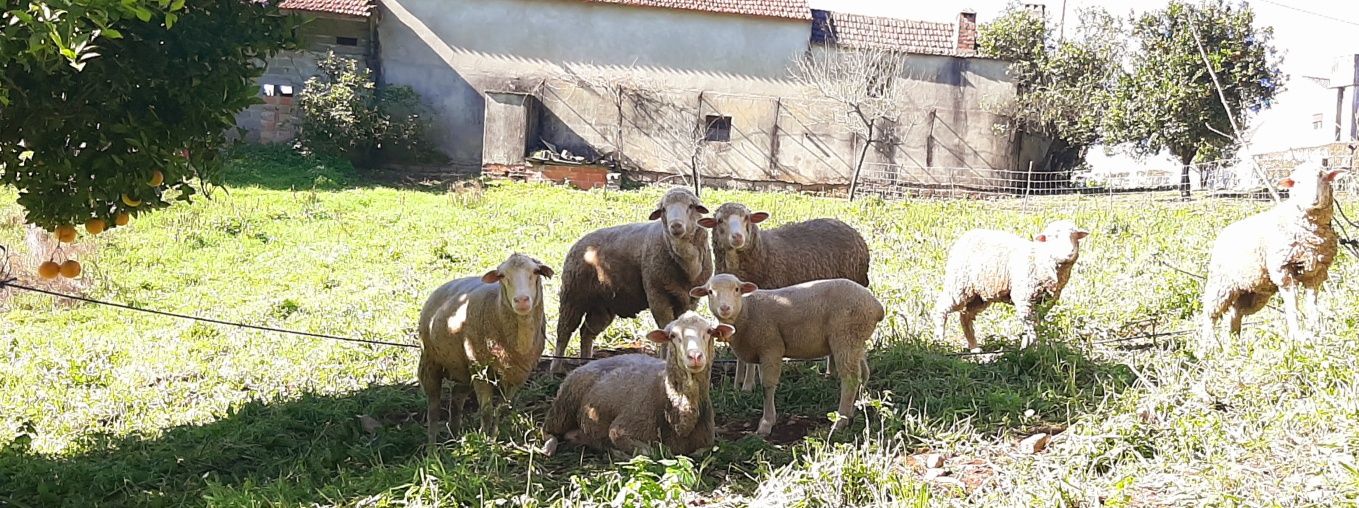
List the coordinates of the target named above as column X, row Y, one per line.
column 1250, row 179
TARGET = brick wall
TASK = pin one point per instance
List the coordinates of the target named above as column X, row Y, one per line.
column 967, row 32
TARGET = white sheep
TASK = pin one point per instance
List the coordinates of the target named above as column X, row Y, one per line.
column 1286, row 249
column 834, row 317
column 629, row 402
column 483, row 333
column 986, row 267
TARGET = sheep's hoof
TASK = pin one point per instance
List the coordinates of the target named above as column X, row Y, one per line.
column 550, row 446
column 765, row 428
column 557, row 368
column 975, row 350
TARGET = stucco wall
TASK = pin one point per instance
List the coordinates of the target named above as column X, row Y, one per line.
column 573, row 55
column 452, row 51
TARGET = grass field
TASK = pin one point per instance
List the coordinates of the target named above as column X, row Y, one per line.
column 101, row 406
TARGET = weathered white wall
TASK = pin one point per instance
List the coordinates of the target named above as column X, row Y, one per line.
column 451, row 51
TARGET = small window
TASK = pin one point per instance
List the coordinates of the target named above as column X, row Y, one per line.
column 347, row 41
column 285, row 90
column 1316, row 121
column 719, row 128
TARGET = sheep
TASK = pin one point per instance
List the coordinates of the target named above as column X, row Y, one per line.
column 483, row 333
column 834, row 317
column 1286, row 249
column 622, row 270
column 986, row 267
column 790, row 254
column 629, row 402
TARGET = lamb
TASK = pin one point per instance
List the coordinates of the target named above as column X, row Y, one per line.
column 1286, row 249
column 790, row 254
column 833, row 317
column 986, row 267
column 622, row 270
column 630, row 402
column 483, row 333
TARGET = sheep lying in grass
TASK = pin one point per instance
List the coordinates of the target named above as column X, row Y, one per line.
column 832, row 317
column 485, row 334
column 622, row 270
column 1286, row 249
column 629, row 402
column 790, row 254
column 986, row 267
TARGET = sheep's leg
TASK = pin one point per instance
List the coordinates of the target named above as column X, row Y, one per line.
column 851, row 380
column 751, row 376
column 1289, row 293
column 432, row 382
column 623, row 434
column 942, row 308
column 770, row 369
column 662, row 310
column 1027, row 318
column 486, row 405
column 1313, row 296
column 456, row 400
column 596, row 321
column 830, row 365
column 567, row 324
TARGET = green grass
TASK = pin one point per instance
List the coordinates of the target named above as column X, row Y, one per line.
column 106, row 407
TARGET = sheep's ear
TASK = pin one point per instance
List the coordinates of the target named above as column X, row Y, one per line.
column 1286, row 183
column 658, row 336
column 1041, row 238
column 656, row 214
column 758, row 217
column 723, row 332
column 700, row 209
column 708, row 222
column 545, row 271
column 699, row 292
column 1336, row 173
column 748, row 288
column 492, row 277
column 1079, row 234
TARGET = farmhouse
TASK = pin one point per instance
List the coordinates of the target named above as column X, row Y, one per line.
column 657, row 87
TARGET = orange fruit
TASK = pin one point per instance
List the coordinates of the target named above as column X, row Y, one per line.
column 157, row 178
column 49, row 270
column 96, row 226
column 70, row 269
column 131, row 201
column 122, row 218
column 66, row 233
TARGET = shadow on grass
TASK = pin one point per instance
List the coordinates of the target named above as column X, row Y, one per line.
column 315, row 449
column 279, row 167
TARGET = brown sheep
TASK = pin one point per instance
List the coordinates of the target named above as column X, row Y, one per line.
column 790, row 254
column 622, row 270
column 484, row 333
column 629, row 402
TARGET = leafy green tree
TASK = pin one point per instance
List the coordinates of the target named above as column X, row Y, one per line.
column 1063, row 87
column 1169, row 100
column 344, row 113
column 112, row 106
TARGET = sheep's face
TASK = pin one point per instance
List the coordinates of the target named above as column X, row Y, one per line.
column 734, row 225
column 521, row 282
column 1309, row 185
column 1061, row 240
column 680, row 211
column 690, row 338
column 724, row 292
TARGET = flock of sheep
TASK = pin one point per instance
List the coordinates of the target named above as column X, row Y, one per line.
column 799, row 291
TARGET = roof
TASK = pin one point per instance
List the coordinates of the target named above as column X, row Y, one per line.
column 872, row 32
column 788, row 9
column 362, row 8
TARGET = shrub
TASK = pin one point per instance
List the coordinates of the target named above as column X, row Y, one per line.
column 344, row 113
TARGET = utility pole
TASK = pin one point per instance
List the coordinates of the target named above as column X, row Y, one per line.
column 1061, row 33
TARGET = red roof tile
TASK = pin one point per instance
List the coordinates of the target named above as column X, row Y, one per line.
column 790, row 9
column 349, row 7
column 872, row 32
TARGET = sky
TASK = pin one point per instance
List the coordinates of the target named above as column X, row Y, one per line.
column 1309, row 42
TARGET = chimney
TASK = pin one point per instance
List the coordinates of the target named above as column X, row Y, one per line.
column 967, row 32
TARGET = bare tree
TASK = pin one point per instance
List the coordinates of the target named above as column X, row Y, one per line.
column 867, row 85
column 682, row 131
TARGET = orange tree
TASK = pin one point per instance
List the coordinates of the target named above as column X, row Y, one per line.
column 109, row 108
